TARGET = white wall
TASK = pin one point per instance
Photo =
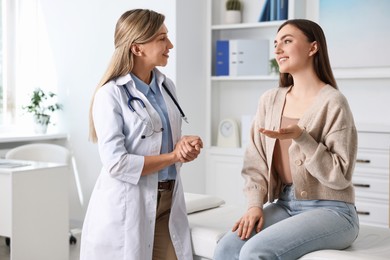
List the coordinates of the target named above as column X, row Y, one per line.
column 191, row 46
column 81, row 35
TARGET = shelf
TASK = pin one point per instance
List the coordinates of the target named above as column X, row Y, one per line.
column 372, row 128
column 270, row 24
column 245, row 78
column 362, row 73
column 339, row 74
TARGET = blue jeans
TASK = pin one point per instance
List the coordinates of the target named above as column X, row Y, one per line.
column 293, row 228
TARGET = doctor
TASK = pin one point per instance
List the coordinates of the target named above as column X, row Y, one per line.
column 137, row 209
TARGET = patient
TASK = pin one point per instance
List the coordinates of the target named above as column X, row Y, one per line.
column 300, row 158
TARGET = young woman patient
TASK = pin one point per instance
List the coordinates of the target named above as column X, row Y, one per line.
column 300, row 159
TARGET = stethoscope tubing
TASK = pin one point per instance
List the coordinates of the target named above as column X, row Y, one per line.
column 132, row 98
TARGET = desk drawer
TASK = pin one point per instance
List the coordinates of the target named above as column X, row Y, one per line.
column 371, row 187
column 372, row 159
column 373, row 212
column 374, row 140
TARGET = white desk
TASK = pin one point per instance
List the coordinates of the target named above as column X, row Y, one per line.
column 34, row 210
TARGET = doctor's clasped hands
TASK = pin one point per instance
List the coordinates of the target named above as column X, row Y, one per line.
column 188, row 148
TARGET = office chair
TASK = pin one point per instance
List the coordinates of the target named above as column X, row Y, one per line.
column 41, row 152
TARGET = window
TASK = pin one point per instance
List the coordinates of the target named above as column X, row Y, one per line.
column 1, row 63
column 19, row 46
column 26, row 61
column 6, row 56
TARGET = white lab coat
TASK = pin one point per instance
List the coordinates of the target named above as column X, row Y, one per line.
column 120, row 220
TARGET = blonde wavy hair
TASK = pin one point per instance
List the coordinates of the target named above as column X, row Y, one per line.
column 135, row 26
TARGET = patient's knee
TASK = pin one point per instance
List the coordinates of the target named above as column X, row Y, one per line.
column 228, row 247
column 251, row 251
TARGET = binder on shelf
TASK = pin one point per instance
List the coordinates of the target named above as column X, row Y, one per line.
column 265, row 12
column 282, row 10
column 274, row 10
column 222, row 58
column 248, row 57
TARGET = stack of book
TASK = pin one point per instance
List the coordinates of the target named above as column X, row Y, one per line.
column 242, row 57
column 274, row 10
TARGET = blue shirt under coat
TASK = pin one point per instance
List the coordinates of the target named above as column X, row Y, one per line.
column 153, row 94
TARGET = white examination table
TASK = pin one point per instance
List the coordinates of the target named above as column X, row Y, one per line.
column 210, row 218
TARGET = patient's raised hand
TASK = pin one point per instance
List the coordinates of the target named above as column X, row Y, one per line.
column 289, row 132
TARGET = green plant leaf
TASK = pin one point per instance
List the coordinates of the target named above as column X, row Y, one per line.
column 42, row 105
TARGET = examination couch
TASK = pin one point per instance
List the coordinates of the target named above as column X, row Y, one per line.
column 210, row 218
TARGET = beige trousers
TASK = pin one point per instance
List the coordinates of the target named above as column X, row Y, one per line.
column 163, row 247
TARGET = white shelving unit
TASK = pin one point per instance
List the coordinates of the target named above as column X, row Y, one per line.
column 232, row 97
column 236, row 96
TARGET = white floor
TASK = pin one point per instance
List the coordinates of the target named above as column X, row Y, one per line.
column 74, row 250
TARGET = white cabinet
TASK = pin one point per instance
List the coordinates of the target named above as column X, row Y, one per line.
column 224, row 179
column 371, row 178
column 34, row 210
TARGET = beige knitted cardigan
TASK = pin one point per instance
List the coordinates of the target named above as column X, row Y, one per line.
column 322, row 159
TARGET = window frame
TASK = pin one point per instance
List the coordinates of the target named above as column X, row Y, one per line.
column 8, row 17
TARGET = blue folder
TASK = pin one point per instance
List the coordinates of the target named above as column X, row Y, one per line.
column 265, row 12
column 222, row 58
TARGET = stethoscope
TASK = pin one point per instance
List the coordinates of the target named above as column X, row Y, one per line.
column 131, row 98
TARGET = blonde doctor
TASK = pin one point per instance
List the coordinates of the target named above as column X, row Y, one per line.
column 137, row 209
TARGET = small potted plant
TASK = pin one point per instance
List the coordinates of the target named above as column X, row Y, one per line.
column 233, row 11
column 42, row 105
column 274, row 67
